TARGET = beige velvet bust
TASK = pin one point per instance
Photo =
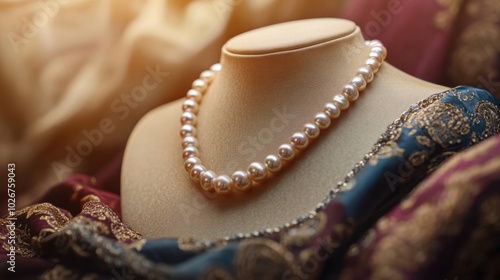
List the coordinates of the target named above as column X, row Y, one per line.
column 273, row 80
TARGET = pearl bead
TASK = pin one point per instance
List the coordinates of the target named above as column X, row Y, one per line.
column 190, row 105
column 188, row 130
column 199, row 85
column 359, row 82
column 189, row 118
column 190, row 152
column 190, row 163
column 373, row 43
column 350, row 92
column 366, row 73
column 376, row 56
column 207, row 76
column 299, row 140
column 196, row 172
column 240, row 180
column 222, row 184
column 311, row 130
column 322, row 121
column 331, row 110
column 189, row 141
column 216, row 67
column 257, row 171
column 373, row 64
column 273, row 163
column 286, row 152
column 194, row 95
column 206, row 180
column 341, row 101
column 381, row 50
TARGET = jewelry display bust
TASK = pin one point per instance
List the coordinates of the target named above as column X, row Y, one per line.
column 273, row 80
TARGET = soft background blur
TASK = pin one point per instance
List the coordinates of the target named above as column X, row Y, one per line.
column 76, row 76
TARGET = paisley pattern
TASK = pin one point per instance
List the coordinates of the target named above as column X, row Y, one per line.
column 387, row 221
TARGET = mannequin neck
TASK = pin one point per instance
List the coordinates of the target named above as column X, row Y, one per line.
column 280, row 77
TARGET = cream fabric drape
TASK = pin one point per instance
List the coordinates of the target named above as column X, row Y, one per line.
column 76, row 76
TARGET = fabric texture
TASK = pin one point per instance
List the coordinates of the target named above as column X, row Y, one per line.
column 76, row 233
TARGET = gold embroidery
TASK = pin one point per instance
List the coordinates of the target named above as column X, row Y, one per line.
column 262, row 259
column 491, row 115
column 465, row 97
column 444, row 123
column 54, row 216
column 23, row 246
column 424, row 141
column 102, row 212
column 389, row 150
column 418, row 158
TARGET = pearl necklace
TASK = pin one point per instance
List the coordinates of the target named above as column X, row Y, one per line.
column 258, row 172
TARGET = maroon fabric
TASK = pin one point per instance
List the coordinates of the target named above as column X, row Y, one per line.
column 447, row 229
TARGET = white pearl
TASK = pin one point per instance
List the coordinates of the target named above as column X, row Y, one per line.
column 194, row 95
column 222, row 184
column 207, row 76
column 199, row 85
column 286, row 152
column 190, row 105
column 375, row 42
column 206, row 180
column 190, row 152
column 189, row 118
column 341, row 101
column 350, row 92
column 359, row 82
column 273, row 163
column 331, row 110
column 188, row 130
column 257, row 171
column 366, row 73
column 216, row 67
column 322, row 121
column 240, row 180
column 190, row 163
column 189, row 141
column 373, row 64
column 196, row 172
column 381, row 50
column 311, row 130
column 376, row 56
column 299, row 140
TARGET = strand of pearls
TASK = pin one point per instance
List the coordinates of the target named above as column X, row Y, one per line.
column 258, row 172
